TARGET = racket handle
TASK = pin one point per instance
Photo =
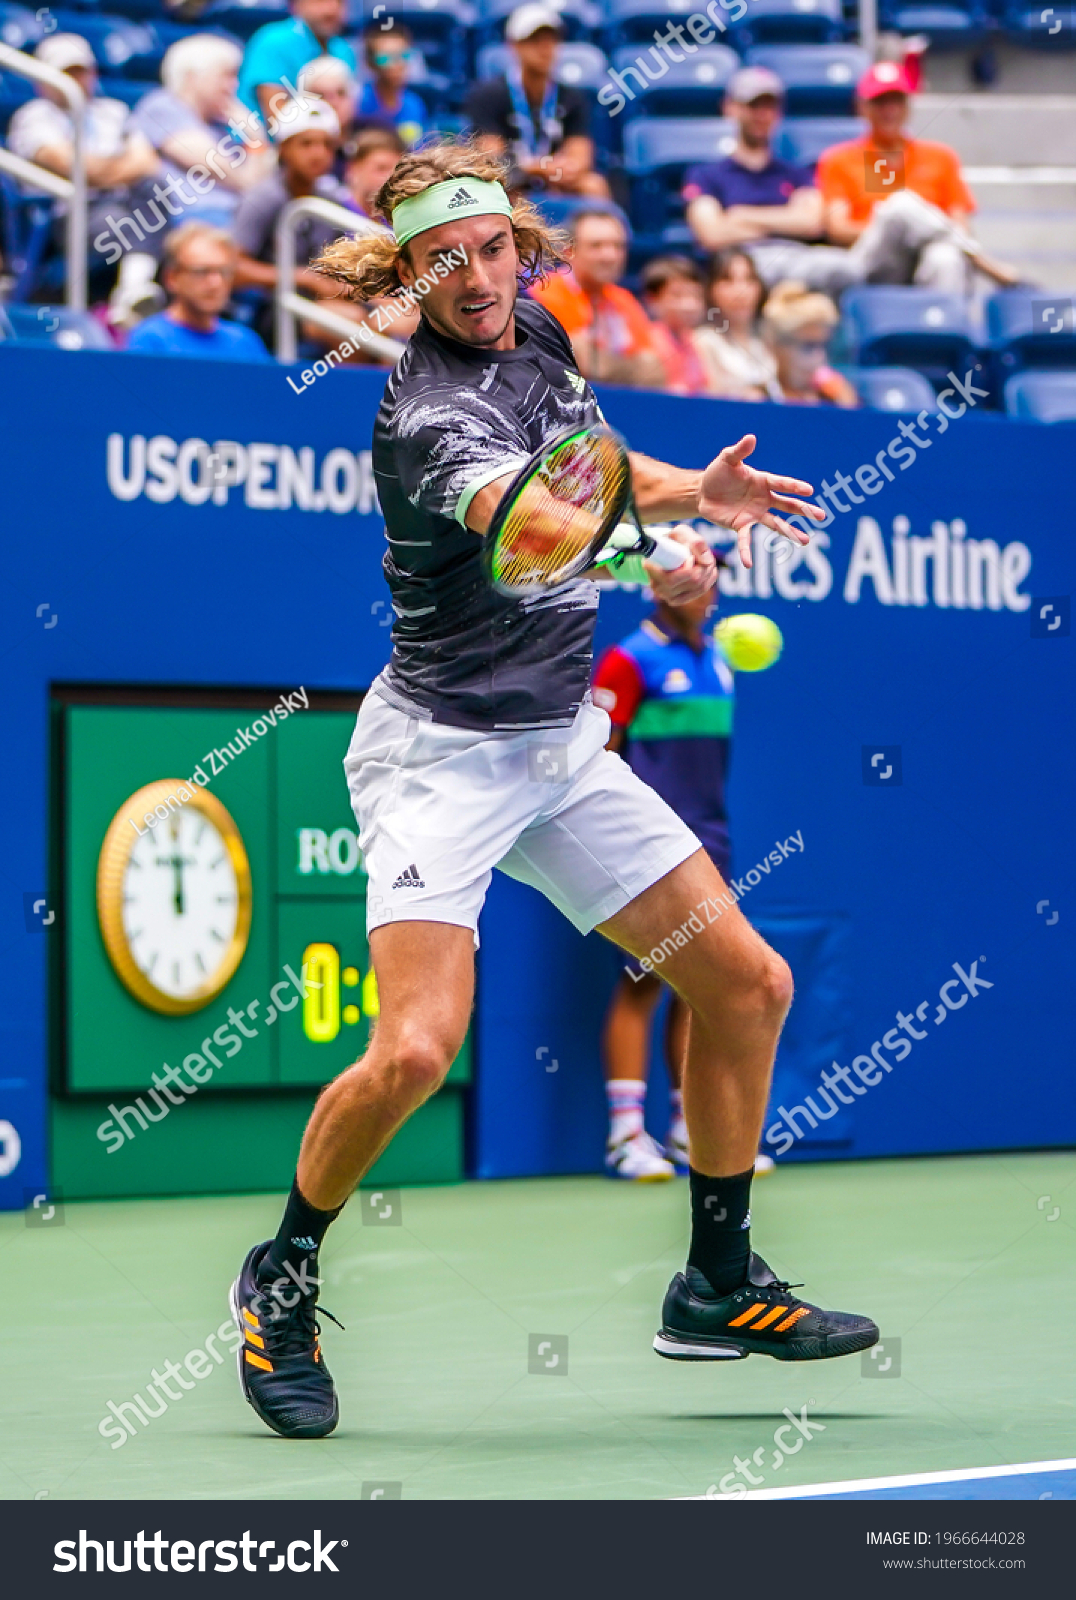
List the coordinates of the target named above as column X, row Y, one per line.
column 666, row 553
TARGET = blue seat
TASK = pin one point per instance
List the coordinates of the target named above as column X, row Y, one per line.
column 57, row 326
column 893, row 389
column 26, row 221
column 1042, row 27
column 244, row 17
column 791, row 22
column 19, row 27
column 1031, row 328
column 908, row 327
column 630, row 21
column 441, row 29
column 579, row 65
column 129, row 90
column 803, row 139
column 146, row 64
column 820, row 79
column 580, row 18
column 14, row 92
column 113, row 40
column 657, row 150
column 689, row 88
column 1042, row 396
column 950, row 24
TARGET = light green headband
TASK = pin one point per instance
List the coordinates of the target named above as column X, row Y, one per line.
column 448, row 202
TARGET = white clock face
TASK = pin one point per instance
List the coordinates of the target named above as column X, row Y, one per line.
column 180, row 903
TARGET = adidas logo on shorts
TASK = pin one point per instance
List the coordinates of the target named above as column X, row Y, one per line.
column 461, row 198
column 409, row 879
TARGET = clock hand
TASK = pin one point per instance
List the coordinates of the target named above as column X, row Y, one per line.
column 177, row 868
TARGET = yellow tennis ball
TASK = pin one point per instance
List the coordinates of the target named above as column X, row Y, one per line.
column 751, row 642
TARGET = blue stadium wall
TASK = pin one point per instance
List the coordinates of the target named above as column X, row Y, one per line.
column 904, row 895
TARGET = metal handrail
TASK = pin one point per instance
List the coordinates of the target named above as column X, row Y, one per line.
column 72, row 189
column 289, row 306
column 868, row 25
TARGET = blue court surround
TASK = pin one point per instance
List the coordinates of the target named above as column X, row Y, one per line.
column 948, row 868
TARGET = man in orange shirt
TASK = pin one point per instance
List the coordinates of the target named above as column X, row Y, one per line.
column 895, row 209
column 612, row 336
column 899, row 205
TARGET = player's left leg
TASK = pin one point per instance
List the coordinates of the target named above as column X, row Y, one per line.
column 727, row 1304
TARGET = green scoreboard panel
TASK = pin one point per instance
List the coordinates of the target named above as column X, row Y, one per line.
column 298, row 1007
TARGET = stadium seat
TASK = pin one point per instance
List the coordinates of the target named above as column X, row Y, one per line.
column 630, row 21
column 26, row 221
column 57, row 326
column 893, row 389
column 146, row 64
column 951, row 24
column 1042, row 27
column 14, row 92
column 244, row 17
column 113, row 40
column 19, row 27
column 580, row 17
column 791, row 22
column 579, row 65
column 820, row 79
column 129, row 90
column 896, row 326
column 1031, row 328
column 803, row 139
column 1042, row 396
column 656, row 152
column 690, row 88
column 441, row 29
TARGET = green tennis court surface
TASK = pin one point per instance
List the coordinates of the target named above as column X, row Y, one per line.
column 962, row 1260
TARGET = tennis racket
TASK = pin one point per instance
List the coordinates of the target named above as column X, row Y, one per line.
column 568, row 505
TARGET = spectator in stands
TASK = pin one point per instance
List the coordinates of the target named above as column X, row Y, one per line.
column 371, row 157
column 276, row 55
column 331, row 80
column 186, row 122
column 526, row 114
column 752, row 195
column 739, row 365
column 305, row 161
column 673, row 294
column 198, row 271
column 799, row 323
column 919, row 234
column 610, row 332
column 385, row 100
column 120, row 167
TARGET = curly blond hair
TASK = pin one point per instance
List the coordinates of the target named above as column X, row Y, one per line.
column 369, row 267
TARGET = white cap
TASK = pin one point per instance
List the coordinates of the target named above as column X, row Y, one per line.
column 525, row 21
column 63, row 50
column 308, row 114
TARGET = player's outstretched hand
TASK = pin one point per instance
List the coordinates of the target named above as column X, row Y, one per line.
column 695, row 578
column 736, row 496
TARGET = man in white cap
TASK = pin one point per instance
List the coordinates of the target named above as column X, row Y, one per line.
column 119, row 166
column 541, row 124
column 751, row 194
column 306, row 148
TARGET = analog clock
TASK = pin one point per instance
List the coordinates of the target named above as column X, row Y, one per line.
column 174, row 900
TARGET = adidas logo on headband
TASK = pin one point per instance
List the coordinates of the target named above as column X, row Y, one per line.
column 461, row 198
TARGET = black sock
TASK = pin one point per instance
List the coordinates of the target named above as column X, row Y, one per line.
column 721, row 1228
column 300, row 1236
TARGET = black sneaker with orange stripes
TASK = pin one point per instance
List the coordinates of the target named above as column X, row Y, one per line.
column 282, row 1371
column 762, row 1318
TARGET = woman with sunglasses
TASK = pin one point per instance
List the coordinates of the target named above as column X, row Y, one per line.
column 799, row 324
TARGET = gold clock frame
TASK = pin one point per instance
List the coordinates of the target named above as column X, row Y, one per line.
column 111, row 868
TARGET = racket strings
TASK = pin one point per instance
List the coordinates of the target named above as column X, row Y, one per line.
column 554, row 521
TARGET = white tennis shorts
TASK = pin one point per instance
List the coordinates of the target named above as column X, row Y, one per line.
column 439, row 807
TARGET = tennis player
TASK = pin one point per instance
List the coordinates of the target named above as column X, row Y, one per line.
column 447, row 782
